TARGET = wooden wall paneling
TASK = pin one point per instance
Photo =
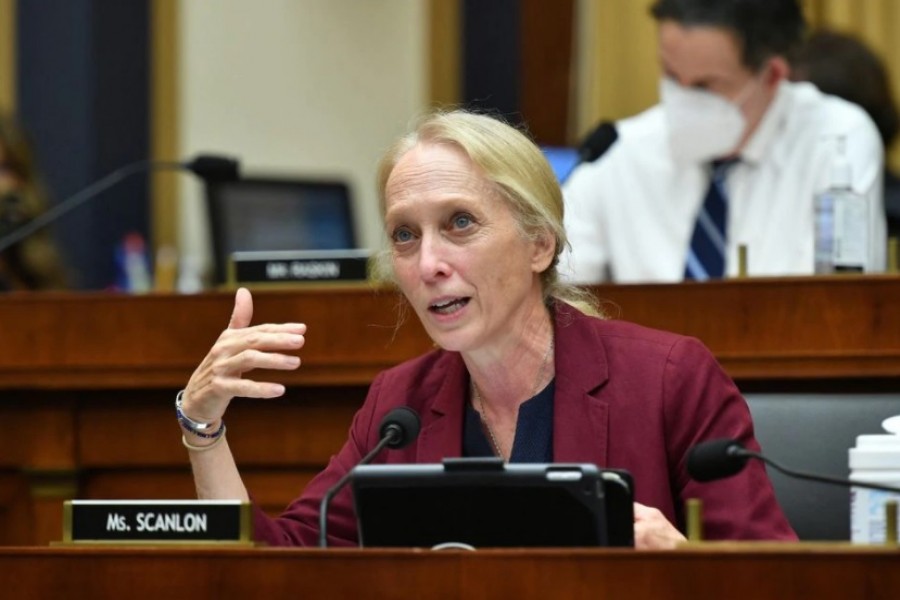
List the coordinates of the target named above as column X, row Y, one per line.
column 154, row 341
column 444, row 39
column 758, row 328
column 767, row 329
column 618, row 74
column 304, row 428
column 164, row 122
column 8, row 55
column 46, row 508
column 274, row 489
column 146, row 482
column 37, row 439
column 16, row 518
column 36, row 432
column 547, row 45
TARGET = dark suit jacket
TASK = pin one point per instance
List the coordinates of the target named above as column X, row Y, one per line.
column 892, row 202
column 625, row 397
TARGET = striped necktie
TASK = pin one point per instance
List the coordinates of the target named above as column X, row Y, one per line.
column 706, row 256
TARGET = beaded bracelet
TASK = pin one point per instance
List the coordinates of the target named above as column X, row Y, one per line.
column 196, row 448
column 195, row 427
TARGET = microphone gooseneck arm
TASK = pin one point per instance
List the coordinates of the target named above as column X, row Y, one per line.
column 744, row 453
column 391, row 435
column 81, row 197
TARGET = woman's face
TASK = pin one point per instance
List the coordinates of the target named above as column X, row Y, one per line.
column 458, row 254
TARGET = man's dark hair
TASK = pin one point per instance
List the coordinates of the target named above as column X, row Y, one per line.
column 844, row 66
column 764, row 28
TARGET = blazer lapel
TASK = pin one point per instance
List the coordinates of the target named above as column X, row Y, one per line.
column 442, row 428
column 581, row 417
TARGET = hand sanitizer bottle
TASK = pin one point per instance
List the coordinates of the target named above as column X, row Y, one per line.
column 841, row 223
column 133, row 272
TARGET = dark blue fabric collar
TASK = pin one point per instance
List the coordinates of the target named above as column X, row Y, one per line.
column 534, row 430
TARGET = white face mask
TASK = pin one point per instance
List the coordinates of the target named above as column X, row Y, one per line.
column 702, row 125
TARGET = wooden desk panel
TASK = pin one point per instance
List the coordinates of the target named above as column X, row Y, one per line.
column 840, row 327
column 305, row 427
column 759, row 329
column 87, row 381
column 738, row 573
column 108, row 341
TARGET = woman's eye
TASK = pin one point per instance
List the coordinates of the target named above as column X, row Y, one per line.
column 402, row 235
column 462, row 221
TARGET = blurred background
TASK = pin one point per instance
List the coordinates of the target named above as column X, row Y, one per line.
column 309, row 89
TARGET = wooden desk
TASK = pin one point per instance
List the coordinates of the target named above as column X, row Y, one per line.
column 828, row 327
column 87, row 381
column 737, row 574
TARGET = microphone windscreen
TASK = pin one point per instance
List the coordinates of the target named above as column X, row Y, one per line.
column 715, row 459
column 210, row 167
column 404, row 422
column 598, row 142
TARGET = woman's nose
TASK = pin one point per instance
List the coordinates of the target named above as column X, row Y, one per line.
column 432, row 258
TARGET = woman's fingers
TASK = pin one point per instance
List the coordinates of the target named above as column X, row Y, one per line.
column 251, row 359
column 652, row 530
column 220, row 377
column 235, row 343
column 207, row 402
column 242, row 348
column 242, row 313
column 248, row 388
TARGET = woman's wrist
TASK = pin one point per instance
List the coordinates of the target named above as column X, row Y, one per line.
column 198, row 430
column 202, row 444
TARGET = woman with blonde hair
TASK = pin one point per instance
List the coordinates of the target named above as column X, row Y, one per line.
column 523, row 370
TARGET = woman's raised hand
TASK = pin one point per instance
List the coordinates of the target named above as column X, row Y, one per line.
column 240, row 349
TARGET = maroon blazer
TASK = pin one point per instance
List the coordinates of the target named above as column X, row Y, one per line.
column 625, row 397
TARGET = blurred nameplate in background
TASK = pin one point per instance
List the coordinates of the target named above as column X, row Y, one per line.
column 156, row 521
column 298, row 266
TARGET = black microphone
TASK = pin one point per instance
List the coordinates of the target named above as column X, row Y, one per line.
column 212, row 168
column 398, row 428
column 715, row 459
column 598, row 142
column 594, row 146
column 721, row 458
column 209, row 167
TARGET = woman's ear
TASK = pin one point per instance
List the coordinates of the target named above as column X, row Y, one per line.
column 544, row 251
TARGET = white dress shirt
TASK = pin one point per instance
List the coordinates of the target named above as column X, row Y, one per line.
column 629, row 216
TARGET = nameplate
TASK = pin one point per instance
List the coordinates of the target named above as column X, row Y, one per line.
column 299, row 266
column 156, row 521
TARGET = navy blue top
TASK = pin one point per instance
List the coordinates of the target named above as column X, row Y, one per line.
column 534, row 431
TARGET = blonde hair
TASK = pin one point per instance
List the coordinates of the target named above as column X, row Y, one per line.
column 518, row 169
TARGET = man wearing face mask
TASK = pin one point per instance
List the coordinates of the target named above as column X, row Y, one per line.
column 732, row 156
